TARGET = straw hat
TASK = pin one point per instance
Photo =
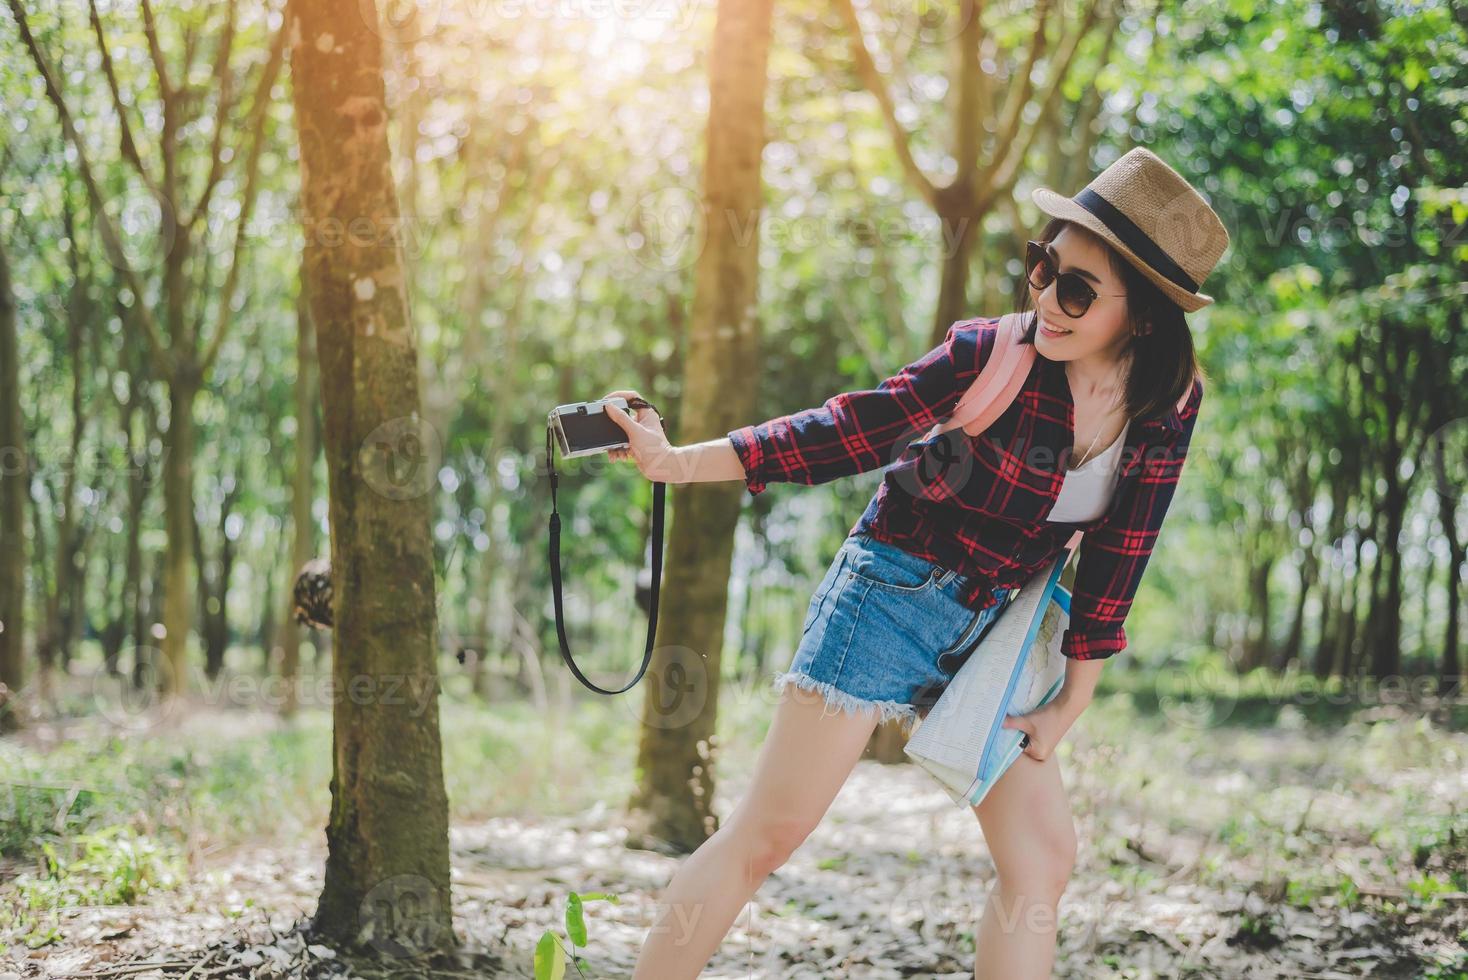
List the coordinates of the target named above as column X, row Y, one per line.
column 1153, row 217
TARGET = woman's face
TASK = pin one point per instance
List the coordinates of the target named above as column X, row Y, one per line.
column 1103, row 332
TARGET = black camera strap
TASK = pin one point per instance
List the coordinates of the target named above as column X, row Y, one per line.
column 659, row 494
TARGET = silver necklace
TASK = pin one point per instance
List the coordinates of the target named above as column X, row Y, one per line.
column 1086, row 456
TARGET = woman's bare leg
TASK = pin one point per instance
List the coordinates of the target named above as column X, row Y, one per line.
column 1030, row 832
column 807, row 754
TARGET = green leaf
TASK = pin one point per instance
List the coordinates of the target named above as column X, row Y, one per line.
column 1412, row 75
column 612, row 897
column 550, row 959
column 575, row 921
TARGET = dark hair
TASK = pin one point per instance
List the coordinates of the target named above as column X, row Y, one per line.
column 1164, row 362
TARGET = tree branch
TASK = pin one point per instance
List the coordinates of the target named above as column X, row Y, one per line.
column 968, row 90
column 222, row 77
column 110, row 239
column 1085, row 123
column 872, row 79
column 190, row 44
column 1005, row 171
column 129, row 145
column 258, row 111
column 1015, row 100
column 150, row 28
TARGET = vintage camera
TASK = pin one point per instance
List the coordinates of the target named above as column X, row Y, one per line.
column 583, row 428
column 580, row 429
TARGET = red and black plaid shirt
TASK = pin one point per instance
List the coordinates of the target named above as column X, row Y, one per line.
column 978, row 504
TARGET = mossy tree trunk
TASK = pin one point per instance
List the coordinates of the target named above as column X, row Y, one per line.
column 387, row 866
column 14, row 476
column 671, row 804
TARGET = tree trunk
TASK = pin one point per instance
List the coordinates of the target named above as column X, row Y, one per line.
column 1256, row 644
column 1332, row 574
column 387, row 866
column 303, row 546
column 14, row 476
column 1450, row 670
column 1320, row 662
column 1352, row 619
column 214, row 586
column 1386, row 652
column 114, row 622
column 43, row 683
column 180, row 585
column 142, row 600
column 1365, row 655
column 63, row 599
column 958, row 223
column 1290, row 651
column 672, row 802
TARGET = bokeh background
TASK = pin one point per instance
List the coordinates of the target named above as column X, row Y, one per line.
column 1273, row 775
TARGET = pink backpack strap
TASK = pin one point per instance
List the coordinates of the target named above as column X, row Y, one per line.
column 995, row 388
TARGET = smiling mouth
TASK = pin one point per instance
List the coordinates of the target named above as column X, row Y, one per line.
column 1051, row 329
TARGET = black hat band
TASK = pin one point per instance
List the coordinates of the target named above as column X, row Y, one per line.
column 1134, row 238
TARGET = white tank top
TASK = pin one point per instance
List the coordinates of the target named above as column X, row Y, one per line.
column 1086, row 491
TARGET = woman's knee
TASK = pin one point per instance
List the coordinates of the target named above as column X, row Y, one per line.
column 767, row 843
column 1045, row 865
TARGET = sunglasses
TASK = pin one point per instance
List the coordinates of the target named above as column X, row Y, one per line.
column 1074, row 294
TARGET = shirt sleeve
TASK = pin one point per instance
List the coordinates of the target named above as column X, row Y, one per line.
column 857, row 431
column 1114, row 556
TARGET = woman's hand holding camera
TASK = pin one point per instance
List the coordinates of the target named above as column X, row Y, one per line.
column 648, row 445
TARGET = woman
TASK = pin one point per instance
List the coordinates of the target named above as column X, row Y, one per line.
column 1094, row 441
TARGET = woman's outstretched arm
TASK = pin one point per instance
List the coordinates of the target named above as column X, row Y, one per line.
column 857, row 431
column 849, row 433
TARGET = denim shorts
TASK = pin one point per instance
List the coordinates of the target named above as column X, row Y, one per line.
column 886, row 631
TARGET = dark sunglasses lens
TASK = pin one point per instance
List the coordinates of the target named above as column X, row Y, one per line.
column 1074, row 295
column 1037, row 266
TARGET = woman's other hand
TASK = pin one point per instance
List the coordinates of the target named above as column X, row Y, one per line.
column 648, row 444
column 1045, row 726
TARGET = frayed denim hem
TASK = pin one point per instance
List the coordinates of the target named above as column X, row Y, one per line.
column 839, row 699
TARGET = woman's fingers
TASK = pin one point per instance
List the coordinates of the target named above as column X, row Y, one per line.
column 639, row 424
column 617, row 411
column 626, row 393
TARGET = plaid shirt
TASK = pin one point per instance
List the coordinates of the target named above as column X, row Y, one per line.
column 979, row 504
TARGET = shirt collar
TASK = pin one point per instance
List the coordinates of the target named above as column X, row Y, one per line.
column 1170, row 421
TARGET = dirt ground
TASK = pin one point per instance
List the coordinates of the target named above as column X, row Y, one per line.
column 887, row 886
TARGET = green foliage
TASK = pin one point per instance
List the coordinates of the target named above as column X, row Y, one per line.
column 511, row 760
column 550, row 954
column 111, row 866
column 30, row 812
column 166, row 789
column 1446, row 973
column 550, row 958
